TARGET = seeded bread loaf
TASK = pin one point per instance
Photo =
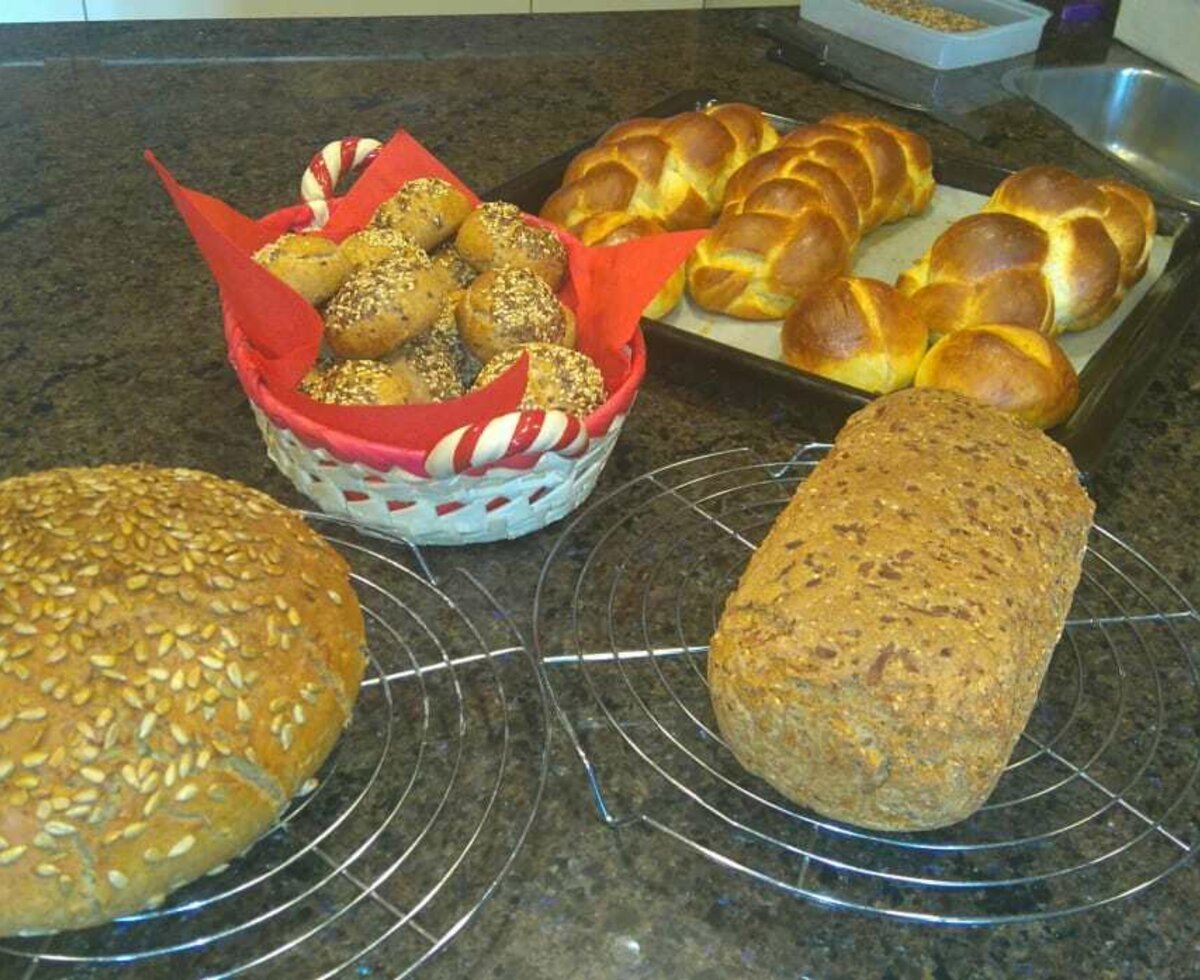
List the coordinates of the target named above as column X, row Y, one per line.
column 178, row 654
column 884, row 648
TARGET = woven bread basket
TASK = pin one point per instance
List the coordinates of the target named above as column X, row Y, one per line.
column 498, row 478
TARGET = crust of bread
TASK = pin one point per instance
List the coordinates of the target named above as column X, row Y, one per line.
column 180, row 654
column 859, row 331
column 884, row 647
column 1010, row 368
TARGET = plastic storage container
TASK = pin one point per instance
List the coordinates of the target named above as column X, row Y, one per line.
column 1016, row 29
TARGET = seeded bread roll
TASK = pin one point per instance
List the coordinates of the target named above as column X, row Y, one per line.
column 384, row 305
column 884, row 648
column 461, row 271
column 437, row 358
column 559, row 378
column 310, row 264
column 427, row 210
column 179, row 654
column 506, row 307
column 372, row 245
column 364, row 383
column 495, row 235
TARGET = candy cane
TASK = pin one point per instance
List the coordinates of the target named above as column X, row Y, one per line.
column 513, row 434
column 326, row 169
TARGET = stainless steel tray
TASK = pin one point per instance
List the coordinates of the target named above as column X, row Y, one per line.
column 1147, row 119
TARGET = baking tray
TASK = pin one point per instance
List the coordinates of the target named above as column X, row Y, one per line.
column 1112, row 380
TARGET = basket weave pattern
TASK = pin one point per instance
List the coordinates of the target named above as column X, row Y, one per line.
column 467, row 508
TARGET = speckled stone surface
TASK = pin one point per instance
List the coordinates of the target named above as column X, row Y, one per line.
column 110, row 350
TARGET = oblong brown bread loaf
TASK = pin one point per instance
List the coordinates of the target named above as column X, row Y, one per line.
column 884, row 648
column 178, row 654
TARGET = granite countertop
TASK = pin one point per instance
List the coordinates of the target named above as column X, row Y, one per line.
column 110, row 351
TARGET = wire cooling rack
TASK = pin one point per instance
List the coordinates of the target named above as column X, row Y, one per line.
column 405, row 833
column 1098, row 802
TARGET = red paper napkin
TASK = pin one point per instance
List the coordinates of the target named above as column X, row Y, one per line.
column 607, row 289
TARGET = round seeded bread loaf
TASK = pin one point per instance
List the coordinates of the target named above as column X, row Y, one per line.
column 178, row 654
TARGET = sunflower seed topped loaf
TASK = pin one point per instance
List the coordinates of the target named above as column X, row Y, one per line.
column 178, row 655
column 884, row 647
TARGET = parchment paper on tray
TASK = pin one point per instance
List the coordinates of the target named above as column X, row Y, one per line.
column 888, row 251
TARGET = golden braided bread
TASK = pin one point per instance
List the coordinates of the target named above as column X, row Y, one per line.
column 792, row 217
column 900, row 165
column 670, row 170
column 1050, row 251
column 858, row 331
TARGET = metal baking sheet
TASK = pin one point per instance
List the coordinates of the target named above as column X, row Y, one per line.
column 1116, row 360
column 885, row 253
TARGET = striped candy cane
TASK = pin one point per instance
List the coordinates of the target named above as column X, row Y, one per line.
column 513, row 434
column 326, row 169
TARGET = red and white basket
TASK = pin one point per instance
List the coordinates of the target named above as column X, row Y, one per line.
column 471, row 470
column 492, row 480
column 486, row 482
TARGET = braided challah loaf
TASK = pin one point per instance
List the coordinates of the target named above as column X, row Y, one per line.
column 984, row 268
column 671, row 170
column 1050, row 251
column 793, row 216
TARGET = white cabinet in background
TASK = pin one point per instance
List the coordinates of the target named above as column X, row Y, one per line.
column 39, row 11
column 1165, row 30
column 221, row 9
column 592, row 6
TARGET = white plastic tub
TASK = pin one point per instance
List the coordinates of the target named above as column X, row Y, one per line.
column 1016, row 29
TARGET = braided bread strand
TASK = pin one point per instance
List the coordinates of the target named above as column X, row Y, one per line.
column 793, row 216
column 672, row 171
column 1051, row 251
